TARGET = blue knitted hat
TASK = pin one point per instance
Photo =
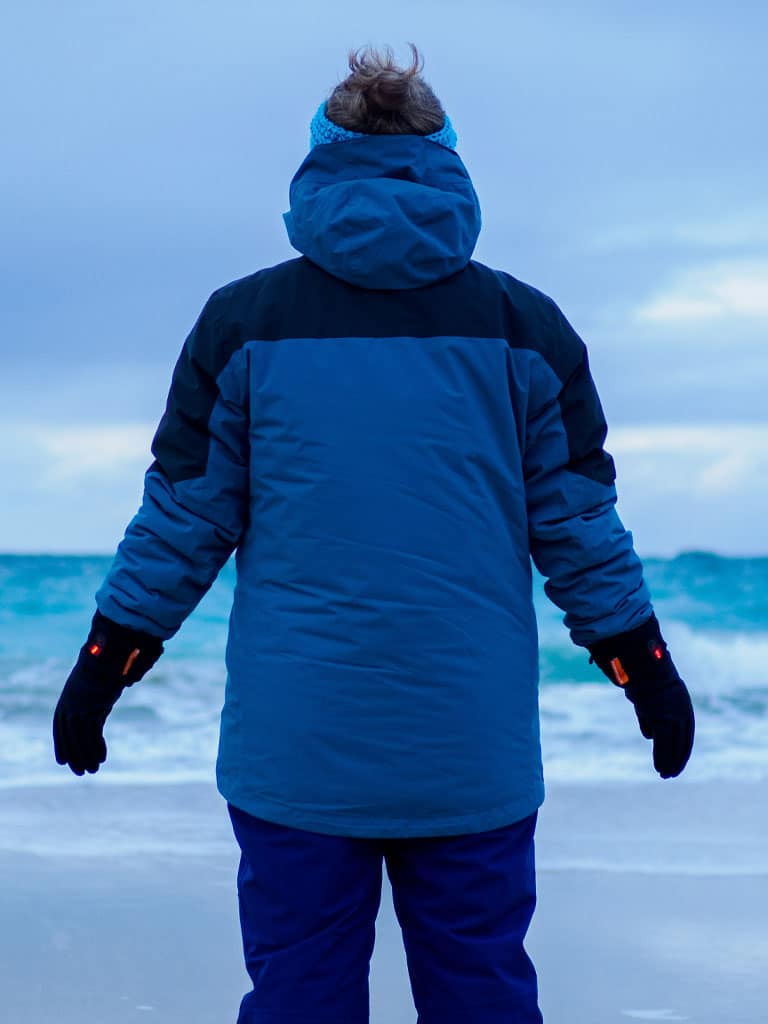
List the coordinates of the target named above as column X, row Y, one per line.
column 322, row 130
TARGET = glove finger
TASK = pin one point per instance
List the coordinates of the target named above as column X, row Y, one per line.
column 93, row 745
column 670, row 747
column 59, row 740
column 688, row 735
column 69, row 750
column 646, row 725
column 80, row 728
column 89, row 740
column 97, row 753
column 681, row 747
column 92, row 762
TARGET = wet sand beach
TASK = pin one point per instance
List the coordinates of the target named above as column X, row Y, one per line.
column 118, row 904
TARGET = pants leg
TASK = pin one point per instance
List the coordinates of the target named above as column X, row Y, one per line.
column 308, row 906
column 464, row 904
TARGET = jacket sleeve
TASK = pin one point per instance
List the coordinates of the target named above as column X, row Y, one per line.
column 577, row 540
column 194, row 508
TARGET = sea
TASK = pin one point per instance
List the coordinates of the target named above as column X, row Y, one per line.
column 713, row 611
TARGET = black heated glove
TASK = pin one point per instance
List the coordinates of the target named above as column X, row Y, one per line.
column 638, row 661
column 112, row 658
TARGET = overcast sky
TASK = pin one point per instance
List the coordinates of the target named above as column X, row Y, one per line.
column 618, row 149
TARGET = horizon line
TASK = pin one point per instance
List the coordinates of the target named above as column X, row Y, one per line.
column 682, row 552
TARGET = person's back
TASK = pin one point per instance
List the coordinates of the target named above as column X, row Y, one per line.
column 385, row 431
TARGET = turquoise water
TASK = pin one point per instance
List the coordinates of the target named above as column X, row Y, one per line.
column 713, row 610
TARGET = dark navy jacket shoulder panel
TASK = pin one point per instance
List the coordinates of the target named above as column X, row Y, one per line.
column 535, row 322
column 182, row 440
column 298, row 299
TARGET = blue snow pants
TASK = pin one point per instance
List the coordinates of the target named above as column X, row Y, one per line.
column 308, row 905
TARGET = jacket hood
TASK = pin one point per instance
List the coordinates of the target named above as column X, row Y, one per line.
column 384, row 211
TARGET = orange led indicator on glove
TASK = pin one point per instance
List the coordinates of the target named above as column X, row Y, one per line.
column 618, row 670
column 131, row 658
column 94, row 649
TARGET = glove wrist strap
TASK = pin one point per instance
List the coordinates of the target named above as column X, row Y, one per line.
column 638, row 656
column 123, row 653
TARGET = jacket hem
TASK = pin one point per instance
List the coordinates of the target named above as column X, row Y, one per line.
column 342, row 824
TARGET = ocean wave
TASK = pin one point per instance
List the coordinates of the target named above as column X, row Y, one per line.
column 167, row 726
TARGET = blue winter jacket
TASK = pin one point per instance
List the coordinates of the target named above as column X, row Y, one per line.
column 384, row 431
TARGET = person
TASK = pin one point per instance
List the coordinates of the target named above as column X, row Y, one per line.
column 385, row 432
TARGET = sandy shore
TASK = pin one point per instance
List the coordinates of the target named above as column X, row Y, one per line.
column 118, row 904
